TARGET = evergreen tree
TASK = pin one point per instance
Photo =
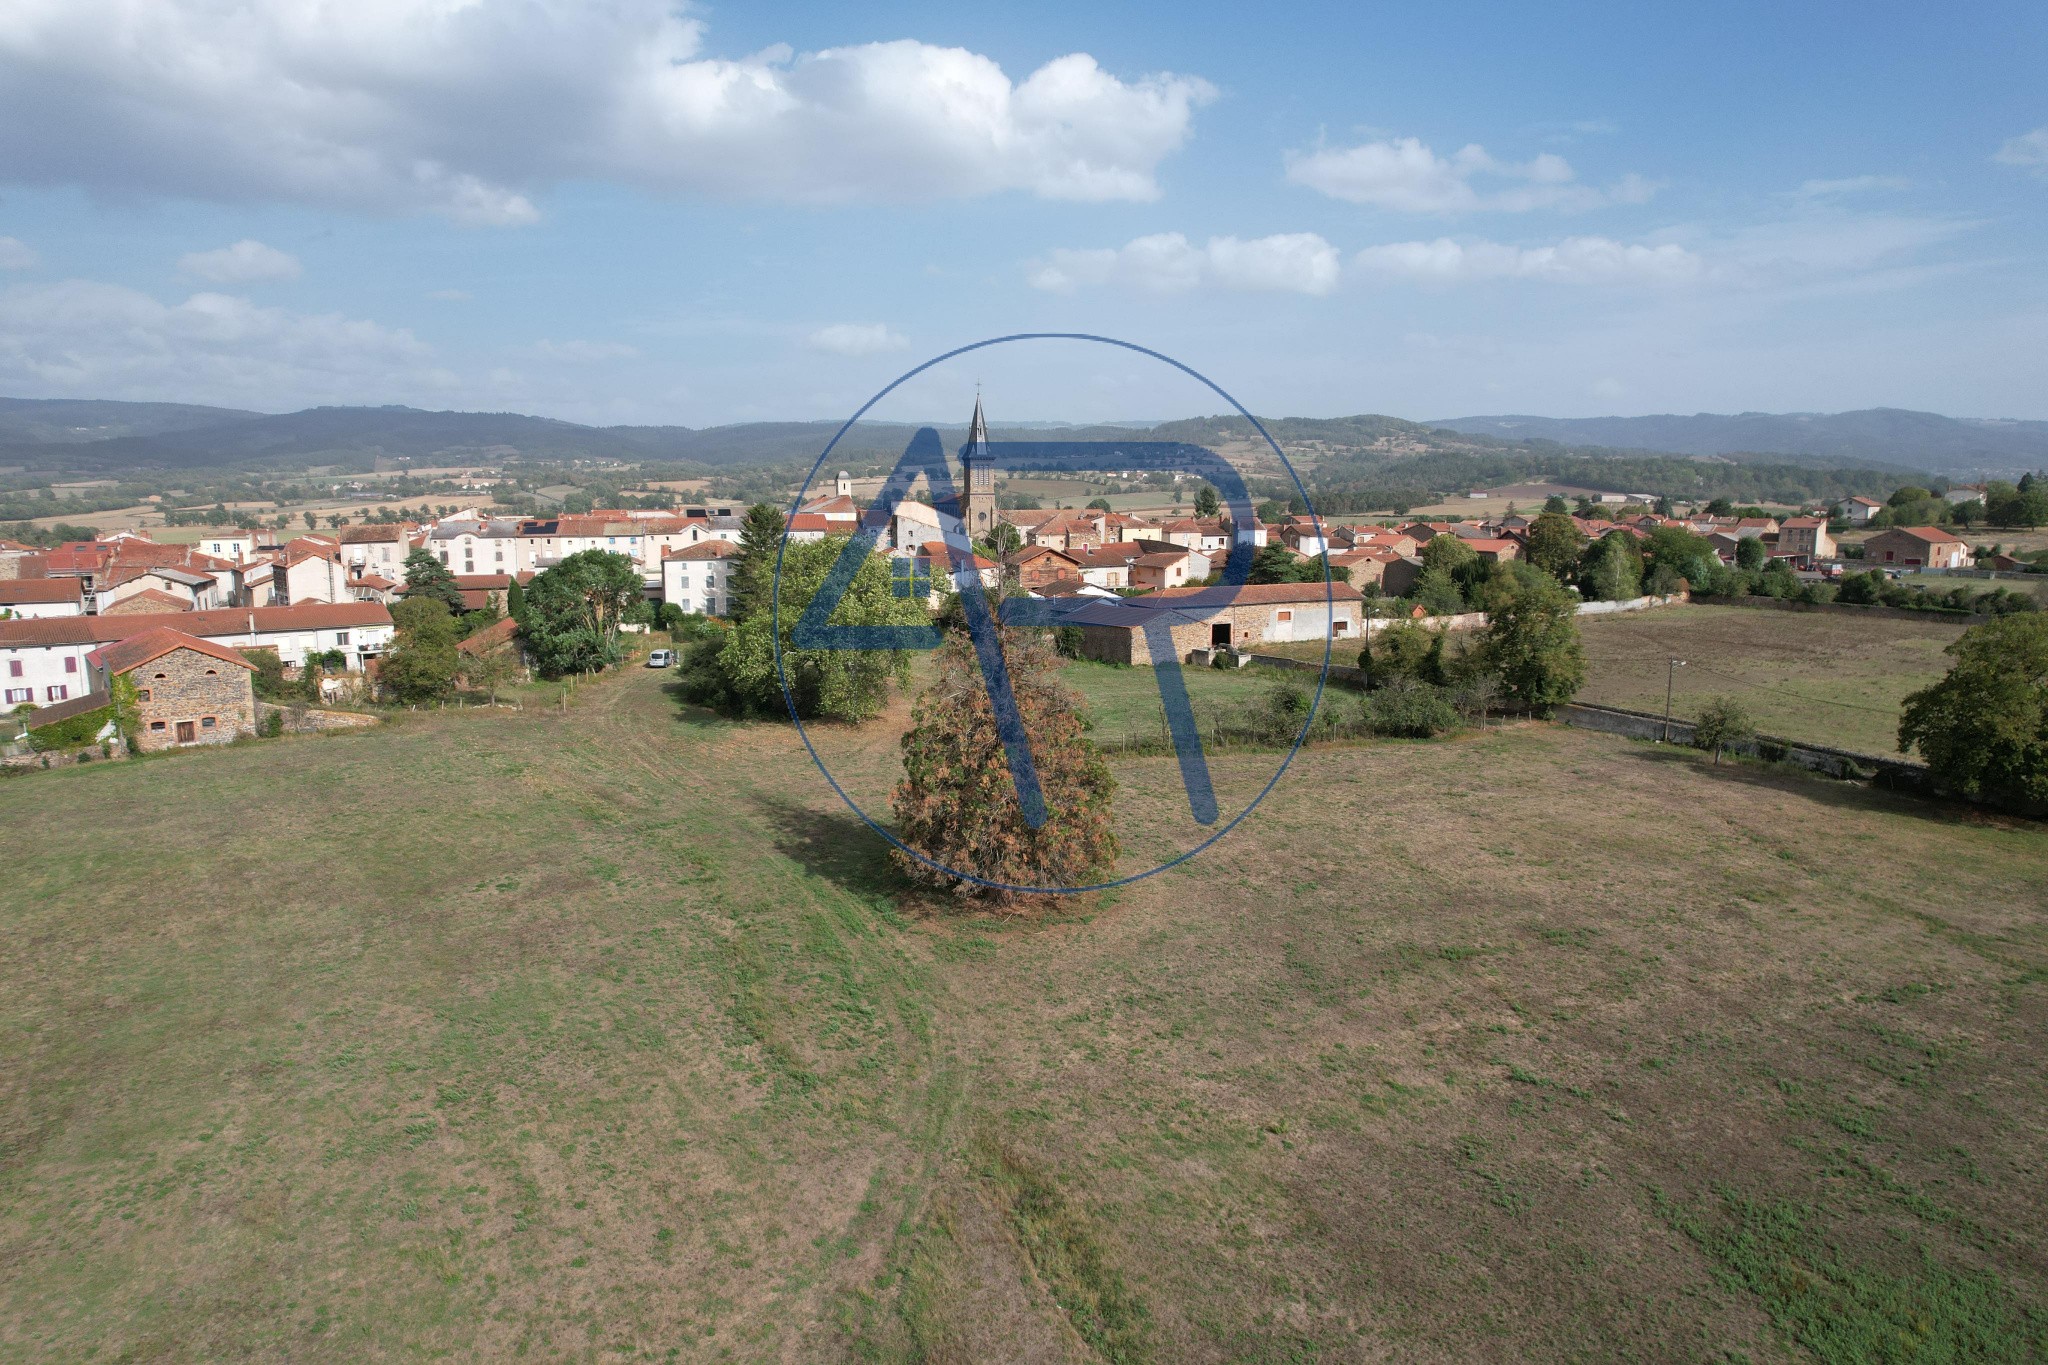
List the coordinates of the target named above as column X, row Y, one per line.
column 1207, row 503
column 427, row 577
column 515, row 601
column 751, row 586
column 957, row 803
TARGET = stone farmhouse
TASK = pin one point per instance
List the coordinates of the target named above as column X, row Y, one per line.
column 1916, row 547
column 1217, row 618
column 187, row 690
column 46, row 661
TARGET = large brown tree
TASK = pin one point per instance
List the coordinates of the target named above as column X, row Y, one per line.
column 957, row 803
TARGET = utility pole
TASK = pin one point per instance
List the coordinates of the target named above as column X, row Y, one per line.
column 1670, row 673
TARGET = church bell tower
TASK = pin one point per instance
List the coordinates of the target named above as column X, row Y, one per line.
column 978, row 507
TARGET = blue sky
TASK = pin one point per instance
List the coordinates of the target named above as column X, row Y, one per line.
column 627, row 211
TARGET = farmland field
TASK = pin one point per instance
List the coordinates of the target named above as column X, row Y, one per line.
column 610, row 1034
column 1821, row 676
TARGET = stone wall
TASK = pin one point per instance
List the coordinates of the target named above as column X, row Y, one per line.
column 1957, row 618
column 306, row 720
column 187, row 686
column 1899, row 773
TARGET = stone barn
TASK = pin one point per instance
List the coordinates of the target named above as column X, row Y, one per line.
column 1127, row 631
column 187, row 690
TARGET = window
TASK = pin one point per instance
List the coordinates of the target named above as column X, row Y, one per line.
column 14, row 668
column 206, row 723
column 156, row 727
column 57, row 692
column 17, row 695
column 683, row 580
column 142, row 694
column 159, row 677
column 71, row 664
column 213, row 673
column 1284, row 614
column 341, row 639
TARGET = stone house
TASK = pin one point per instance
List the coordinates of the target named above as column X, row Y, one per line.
column 1038, row 565
column 1127, row 631
column 1916, row 547
column 187, row 690
column 1804, row 540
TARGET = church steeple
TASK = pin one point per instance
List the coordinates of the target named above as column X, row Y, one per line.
column 979, row 477
column 977, row 430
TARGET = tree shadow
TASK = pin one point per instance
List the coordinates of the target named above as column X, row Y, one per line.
column 1845, row 794
column 836, row 845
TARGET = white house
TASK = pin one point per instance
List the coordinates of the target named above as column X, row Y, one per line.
column 44, row 661
column 698, row 578
column 230, row 545
column 37, row 598
column 309, row 569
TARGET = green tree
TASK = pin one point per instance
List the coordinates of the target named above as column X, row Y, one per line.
column 1554, row 545
column 1437, row 593
column 1983, row 729
column 1721, row 723
column 957, row 803
column 1611, row 569
column 427, row 577
column 1721, row 507
column 1554, row 503
column 1750, row 553
column 1275, row 563
column 1407, row 650
column 573, row 612
column 312, row 522
column 1532, row 643
column 1207, row 503
column 515, row 601
column 1099, row 505
column 737, row 670
column 751, row 585
column 422, row 662
column 1448, row 553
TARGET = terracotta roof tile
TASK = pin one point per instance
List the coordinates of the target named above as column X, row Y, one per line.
column 145, row 646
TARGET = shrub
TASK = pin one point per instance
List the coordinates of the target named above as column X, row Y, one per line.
column 1409, row 710
column 1721, row 723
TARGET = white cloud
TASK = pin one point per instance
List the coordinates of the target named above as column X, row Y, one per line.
column 1575, row 260
column 2028, row 150
column 1403, row 174
column 856, row 339
column 16, row 254
column 1854, row 184
column 469, row 109
column 79, row 336
column 246, row 262
column 1167, row 262
column 577, row 352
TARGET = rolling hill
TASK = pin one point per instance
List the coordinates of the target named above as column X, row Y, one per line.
column 1947, row 445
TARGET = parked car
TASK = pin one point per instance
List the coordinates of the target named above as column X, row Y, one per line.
column 661, row 658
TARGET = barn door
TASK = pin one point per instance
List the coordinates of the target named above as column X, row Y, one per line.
column 187, row 732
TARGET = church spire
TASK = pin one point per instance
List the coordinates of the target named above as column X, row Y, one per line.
column 977, row 430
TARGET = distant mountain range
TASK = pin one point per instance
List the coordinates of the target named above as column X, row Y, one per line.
column 1955, row 446
column 104, row 437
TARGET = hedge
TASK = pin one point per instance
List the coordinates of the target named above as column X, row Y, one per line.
column 73, row 732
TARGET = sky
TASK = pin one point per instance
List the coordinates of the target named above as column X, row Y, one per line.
column 630, row 211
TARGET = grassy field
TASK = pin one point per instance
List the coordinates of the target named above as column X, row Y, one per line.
column 607, row 1034
column 1124, row 702
column 1819, row 676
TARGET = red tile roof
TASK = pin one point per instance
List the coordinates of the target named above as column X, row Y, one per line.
column 1262, row 594
column 704, row 549
column 81, row 630
column 148, row 645
column 145, row 602
column 16, row 592
column 809, row 521
column 1932, row 535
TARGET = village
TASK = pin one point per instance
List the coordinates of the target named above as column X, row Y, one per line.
column 77, row 619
